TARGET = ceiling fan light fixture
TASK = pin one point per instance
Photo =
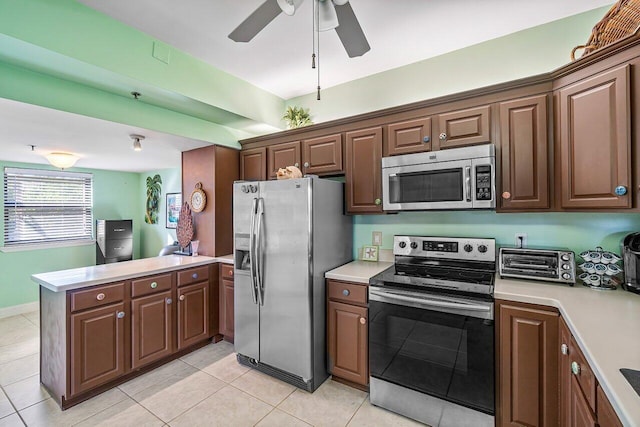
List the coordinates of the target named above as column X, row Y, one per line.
column 137, row 146
column 289, row 7
column 328, row 16
column 61, row 160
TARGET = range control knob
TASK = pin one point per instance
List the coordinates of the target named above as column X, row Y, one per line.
column 414, row 245
column 566, row 276
column 482, row 248
column 468, row 248
column 565, row 257
column 402, row 245
column 566, row 266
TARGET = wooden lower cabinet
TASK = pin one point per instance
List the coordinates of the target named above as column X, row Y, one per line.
column 152, row 321
column 606, row 414
column 226, row 302
column 581, row 413
column 527, row 364
column 97, row 347
column 193, row 314
column 347, row 332
column 364, row 171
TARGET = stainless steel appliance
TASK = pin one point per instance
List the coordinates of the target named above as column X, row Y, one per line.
column 631, row 259
column 459, row 178
column 287, row 234
column 552, row 265
column 114, row 240
column 431, row 331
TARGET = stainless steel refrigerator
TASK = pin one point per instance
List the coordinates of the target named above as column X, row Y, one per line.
column 287, row 234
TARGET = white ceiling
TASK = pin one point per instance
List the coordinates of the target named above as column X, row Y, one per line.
column 277, row 59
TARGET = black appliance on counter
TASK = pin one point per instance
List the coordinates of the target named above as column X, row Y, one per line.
column 114, row 240
column 631, row 259
column 431, row 331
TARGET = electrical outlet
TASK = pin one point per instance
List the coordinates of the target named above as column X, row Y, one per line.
column 521, row 240
column 376, row 238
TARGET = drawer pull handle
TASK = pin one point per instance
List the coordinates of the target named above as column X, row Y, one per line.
column 194, row 275
column 575, row 368
column 169, row 301
column 100, row 296
column 564, row 349
column 363, row 320
column 154, row 285
column 231, row 272
column 181, row 298
column 346, row 292
column 120, row 314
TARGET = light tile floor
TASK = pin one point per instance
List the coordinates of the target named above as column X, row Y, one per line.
column 204, row 388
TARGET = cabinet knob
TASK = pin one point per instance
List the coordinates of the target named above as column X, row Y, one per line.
column 575, row 368
column 620, row 190
column 377, row 202
column 564, row 349
column 120, row 314
column 426, row 139
column 181, row 298
column 296, row 164
column 231, row 272
column 100, row 296
column 169, row 301
column 443, row 136
column 346, row 292
column 154, row 285
column 506, row 195
column 194, row 275
column 363, row 320
column 306, row 164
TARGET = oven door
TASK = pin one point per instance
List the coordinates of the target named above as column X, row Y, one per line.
column 439, row 345
column 442, row 185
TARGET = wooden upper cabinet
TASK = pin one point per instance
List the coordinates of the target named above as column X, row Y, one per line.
column 524, row 146
column 527, row 365
column 464, row 127
column 364, row 170
column 282, row 155
column 323, row 155
column 411, row 136
column 253, row 164
column 595, row 141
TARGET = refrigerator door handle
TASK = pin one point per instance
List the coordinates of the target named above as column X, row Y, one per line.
column 252, row 251
column 259, row 287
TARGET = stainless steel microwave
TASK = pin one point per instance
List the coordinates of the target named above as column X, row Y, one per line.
column 458, row 178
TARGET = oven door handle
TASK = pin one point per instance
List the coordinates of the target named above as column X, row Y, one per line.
column 428, row 302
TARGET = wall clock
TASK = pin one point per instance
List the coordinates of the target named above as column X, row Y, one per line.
column 198, row 198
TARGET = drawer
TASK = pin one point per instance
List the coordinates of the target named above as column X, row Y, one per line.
column 193, row 275
column 150, row 285
column 118, row 248
column 585, row 377
column 96, row 297
column 226, row 270
column 351, row 293
column 115, row 229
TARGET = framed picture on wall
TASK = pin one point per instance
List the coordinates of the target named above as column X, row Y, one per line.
column 174, row 203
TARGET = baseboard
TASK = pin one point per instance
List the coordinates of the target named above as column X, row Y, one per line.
column 14, row 310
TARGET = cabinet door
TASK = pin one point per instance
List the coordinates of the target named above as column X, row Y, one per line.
column 226, row 309
column 595, row 141
column 193, row 314
column 581, row 414
column 348, row 355
column 464, row 127
column 524, row 145
column 322, row 156
column 364, row 171
column 606, row 414
column 151, row 328
column 412, row 136
column 564, row 374
column 527, row 365
column 253, row 164
column 97, row 347
column 282, row 155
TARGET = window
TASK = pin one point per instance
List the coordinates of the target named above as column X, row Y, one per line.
column 46, row 206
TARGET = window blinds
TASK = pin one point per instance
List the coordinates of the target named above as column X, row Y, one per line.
column 44, row 206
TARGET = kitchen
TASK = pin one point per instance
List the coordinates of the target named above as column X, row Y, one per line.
column 551, row 229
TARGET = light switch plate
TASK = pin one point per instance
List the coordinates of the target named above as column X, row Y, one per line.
column 376, row 239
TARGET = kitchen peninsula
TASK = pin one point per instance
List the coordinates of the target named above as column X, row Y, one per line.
column 105, row 324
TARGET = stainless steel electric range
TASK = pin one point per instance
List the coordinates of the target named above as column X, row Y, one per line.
column 431, row 331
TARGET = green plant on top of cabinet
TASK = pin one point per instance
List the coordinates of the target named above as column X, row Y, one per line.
column 461, row 128
column 364, row 170
column 595, row 141
column 524, row 148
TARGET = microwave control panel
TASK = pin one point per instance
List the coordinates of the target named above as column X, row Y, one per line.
column 483, row 182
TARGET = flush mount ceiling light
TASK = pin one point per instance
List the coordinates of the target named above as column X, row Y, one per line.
column 62, row 160
column 136, row 142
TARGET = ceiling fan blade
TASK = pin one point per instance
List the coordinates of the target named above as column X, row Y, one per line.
column 350, row 32
column 259, row 19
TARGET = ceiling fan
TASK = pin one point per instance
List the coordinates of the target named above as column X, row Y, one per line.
column 333, row 14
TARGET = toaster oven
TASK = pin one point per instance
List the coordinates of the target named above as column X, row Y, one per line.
column 553, row 265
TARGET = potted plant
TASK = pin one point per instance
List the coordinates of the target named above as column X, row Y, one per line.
column 297, row 117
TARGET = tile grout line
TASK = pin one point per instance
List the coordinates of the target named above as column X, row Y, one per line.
column 356, row 411
column 13, row 406
column 187, row 410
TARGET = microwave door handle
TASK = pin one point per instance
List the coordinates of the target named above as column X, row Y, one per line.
column 467, row 182
column 426, row 302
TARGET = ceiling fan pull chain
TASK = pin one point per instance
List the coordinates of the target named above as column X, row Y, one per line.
column 318, row 18
column 313, row 38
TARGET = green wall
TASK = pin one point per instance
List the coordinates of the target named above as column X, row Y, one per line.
column 116, row 195
column 154, row 236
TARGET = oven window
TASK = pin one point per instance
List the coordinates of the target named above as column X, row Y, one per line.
column 445, row 355
column 432, row 186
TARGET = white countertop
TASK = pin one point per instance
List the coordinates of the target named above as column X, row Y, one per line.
column 75, row 278
column 225, row 259
column 605, row 325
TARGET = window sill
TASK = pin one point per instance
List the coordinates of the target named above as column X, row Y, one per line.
column 52, row 245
